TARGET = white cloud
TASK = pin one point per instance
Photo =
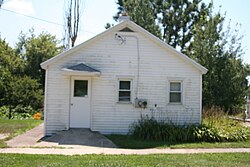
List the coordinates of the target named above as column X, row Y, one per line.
column 20, row 6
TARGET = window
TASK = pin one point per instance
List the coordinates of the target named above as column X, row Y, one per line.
column 124, row 91
column 175, row 92
column 80, row 88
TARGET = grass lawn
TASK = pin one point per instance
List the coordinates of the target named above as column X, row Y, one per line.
column 226, row 159
column 16, row 127
column 125, row 141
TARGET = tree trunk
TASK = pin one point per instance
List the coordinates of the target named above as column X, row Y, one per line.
column 10, row 112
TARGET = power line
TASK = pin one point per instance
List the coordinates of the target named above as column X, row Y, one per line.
column 32, row 17
column 36, row 18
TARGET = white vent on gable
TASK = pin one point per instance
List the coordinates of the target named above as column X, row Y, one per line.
column 126, row 29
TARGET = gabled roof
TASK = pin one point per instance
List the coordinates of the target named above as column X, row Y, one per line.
column 136, row 28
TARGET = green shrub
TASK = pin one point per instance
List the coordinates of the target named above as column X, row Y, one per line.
column 4, row 112
column 149, row 129
column 207, row 134
column 227, row 129
column 20, row 112
column 217, row 130
column 21, row 116
column 24, row 109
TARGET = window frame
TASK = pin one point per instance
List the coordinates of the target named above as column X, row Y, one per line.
column 72, row 80
column 181, row 91
column 74, row 88
column 123, row 90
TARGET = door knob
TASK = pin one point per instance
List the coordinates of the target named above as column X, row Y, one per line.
column 71, row 104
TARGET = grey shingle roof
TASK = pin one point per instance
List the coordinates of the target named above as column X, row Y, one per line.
column 82, row 67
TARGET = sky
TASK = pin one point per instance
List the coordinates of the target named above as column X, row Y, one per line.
column 96, row 13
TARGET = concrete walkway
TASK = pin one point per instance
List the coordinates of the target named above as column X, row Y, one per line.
column 27, row 139
column 76, row 138
column 115, row 151
column 72, row 138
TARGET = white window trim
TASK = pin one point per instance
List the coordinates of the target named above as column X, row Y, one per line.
column 118, row 90
column 169, row 91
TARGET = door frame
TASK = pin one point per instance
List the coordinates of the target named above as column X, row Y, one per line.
column 71, row 92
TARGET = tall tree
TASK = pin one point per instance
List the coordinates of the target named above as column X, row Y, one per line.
column 225, row 84
column 35, row 50
column 72, row 21
column 142, row 12
column 177, row 19
column 10, row 64
column 174, row 18
column 22, row 91
column 15, row 87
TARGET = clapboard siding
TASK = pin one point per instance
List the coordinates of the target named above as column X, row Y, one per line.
column 157, row 67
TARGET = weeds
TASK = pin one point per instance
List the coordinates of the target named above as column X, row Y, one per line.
column 216, row 127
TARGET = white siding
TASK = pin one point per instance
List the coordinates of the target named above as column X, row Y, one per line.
column 114, row 60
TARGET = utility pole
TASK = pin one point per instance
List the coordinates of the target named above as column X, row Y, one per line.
column 1, row 2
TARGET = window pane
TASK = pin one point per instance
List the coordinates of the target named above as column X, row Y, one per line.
column 124, row 85
column 124, row 95
column 175, row 97
column 175, row 86
column 80, row 88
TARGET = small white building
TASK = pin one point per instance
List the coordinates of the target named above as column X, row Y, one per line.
column 109, row 81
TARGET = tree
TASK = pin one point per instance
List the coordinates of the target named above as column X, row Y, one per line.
column 174, row 18
column 35, row 50
column 177, row 19
column 22, row 91
column 108, row 25
column 225, row 84
column 10, row 64
column 142, row 12
column 72, row 21
column 9, row 61
column 15, row 87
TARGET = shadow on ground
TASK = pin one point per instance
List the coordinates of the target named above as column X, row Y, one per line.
column 81, row 137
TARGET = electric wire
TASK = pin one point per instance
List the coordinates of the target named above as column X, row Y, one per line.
column 51, row 22
column 36, row 18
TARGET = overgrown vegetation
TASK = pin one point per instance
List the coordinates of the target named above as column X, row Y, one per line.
column 213, row 129
column 21, row 77
column 147, row 128
column 20, row 112
column 216, row 131
column 224, row 129
column 194, row 160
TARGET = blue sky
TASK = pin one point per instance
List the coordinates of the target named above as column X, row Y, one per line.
column 95, row 15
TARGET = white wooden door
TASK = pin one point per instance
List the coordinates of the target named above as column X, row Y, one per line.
column 80, row 102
